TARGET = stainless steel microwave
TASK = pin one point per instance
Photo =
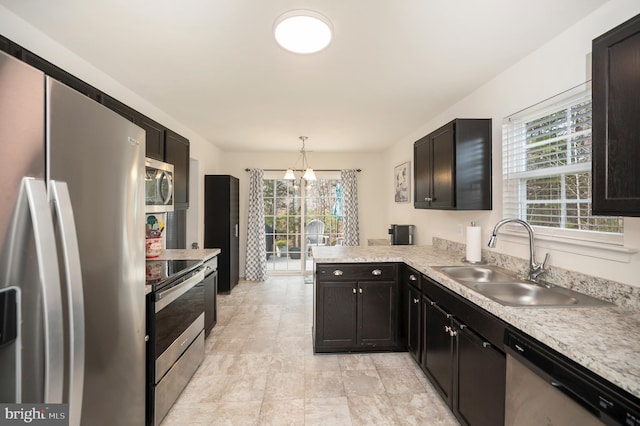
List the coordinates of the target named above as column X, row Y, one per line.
column 158, row 185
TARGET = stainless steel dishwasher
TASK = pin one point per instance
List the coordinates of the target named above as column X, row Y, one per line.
column 544, row 387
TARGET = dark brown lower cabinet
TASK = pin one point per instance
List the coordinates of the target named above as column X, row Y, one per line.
column 376, row 307
column 437, row 354
column 480, row 371
column 467, row 369
column 336, row 315
column 414, row 304
column 356, row 307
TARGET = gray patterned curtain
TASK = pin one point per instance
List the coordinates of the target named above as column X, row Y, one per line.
column 349, row 180
column 256, row 266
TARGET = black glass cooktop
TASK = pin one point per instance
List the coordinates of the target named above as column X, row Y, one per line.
column 162, row 272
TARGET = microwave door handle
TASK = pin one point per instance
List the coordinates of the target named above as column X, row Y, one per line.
column 167, row 199
column 33, row 203
column 63, row 215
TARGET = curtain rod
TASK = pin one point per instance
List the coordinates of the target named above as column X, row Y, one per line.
column 301, row 170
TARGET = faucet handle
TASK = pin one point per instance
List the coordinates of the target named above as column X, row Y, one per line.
column 545, row 261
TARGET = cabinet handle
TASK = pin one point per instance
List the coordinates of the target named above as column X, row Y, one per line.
column 412, row 278
column 360, row 290
column 453, row 333
column 416, row 300
column 354, row 291
column 432, row 303
column 428, row 199
column 447, row 329
column 376, row 272
column 338, row 272
column 462, row 326
column 486, row 344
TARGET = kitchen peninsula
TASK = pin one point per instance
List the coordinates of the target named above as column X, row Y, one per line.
column 604, row 340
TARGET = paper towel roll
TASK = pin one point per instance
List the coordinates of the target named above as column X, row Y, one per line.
column 474, row 243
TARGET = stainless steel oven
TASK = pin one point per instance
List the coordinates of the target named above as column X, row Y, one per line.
column 175, row 322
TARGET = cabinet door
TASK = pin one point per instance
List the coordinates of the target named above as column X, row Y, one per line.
column 616, row 128
column 60, row 75
column 443, row 170
column 480, row 380
column 336, row 314
column 176, row 152
column 234, row 238
column 210, row 295
column 438, row 349
column 414, row 303
column 122, row 109
column 377, row 313
column 422, row 172
column 154, row 139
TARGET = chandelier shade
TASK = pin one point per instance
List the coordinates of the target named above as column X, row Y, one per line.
column 308, row 171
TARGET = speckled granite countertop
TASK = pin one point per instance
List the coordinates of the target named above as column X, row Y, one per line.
column 183, row 254
column 606, row 340
column 187, row 254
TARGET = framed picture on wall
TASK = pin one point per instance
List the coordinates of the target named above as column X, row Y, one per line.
column 402, row 182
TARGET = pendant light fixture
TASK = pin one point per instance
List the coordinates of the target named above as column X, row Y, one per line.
column 308, row 171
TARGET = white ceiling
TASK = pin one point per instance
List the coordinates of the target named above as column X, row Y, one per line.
column 214, row 66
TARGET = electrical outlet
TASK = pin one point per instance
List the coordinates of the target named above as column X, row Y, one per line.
column 460, row 229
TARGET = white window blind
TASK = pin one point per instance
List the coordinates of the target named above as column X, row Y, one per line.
column 547, row 167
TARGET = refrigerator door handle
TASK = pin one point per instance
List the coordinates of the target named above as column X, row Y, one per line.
column 34, row 197
column 63, row 215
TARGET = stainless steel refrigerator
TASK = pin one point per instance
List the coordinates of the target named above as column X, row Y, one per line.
column 75, row 291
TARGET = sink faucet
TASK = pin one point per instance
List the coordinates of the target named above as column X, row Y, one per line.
column 535, row 269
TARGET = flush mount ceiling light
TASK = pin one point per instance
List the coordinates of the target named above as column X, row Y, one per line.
column 302, row 31
column 308, row 171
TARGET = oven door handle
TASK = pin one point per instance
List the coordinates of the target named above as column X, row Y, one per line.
column 165, row 297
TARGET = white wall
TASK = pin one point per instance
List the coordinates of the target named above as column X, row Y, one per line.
column 562, row 63
column 370, row 180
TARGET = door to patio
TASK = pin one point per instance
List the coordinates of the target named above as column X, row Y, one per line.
column 298, row 215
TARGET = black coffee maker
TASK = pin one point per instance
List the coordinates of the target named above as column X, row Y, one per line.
column 401, row 235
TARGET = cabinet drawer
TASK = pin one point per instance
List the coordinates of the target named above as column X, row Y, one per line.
column 351, row 272
column 211, row 265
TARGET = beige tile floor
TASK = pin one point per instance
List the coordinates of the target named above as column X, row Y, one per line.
column 260, row 369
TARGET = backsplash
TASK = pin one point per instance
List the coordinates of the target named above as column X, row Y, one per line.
column 622, row 295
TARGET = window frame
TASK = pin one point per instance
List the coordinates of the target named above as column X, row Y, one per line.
column 514, row 176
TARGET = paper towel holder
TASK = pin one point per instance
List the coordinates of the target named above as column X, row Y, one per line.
column 474, row 262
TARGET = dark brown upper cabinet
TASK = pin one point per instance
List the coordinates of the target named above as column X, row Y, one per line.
column 176, row 152
column 161, row 144
column 155, row 140
column 452, row 167
column 616, row 121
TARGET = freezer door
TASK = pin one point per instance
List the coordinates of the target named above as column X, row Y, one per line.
column 21, row 132
column 30, row 263
column 28, row 372
column 100, row 156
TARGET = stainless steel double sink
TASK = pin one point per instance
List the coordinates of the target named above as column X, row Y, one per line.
column 507, row 289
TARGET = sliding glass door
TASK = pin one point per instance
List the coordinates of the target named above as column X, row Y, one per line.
column 300, row 214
